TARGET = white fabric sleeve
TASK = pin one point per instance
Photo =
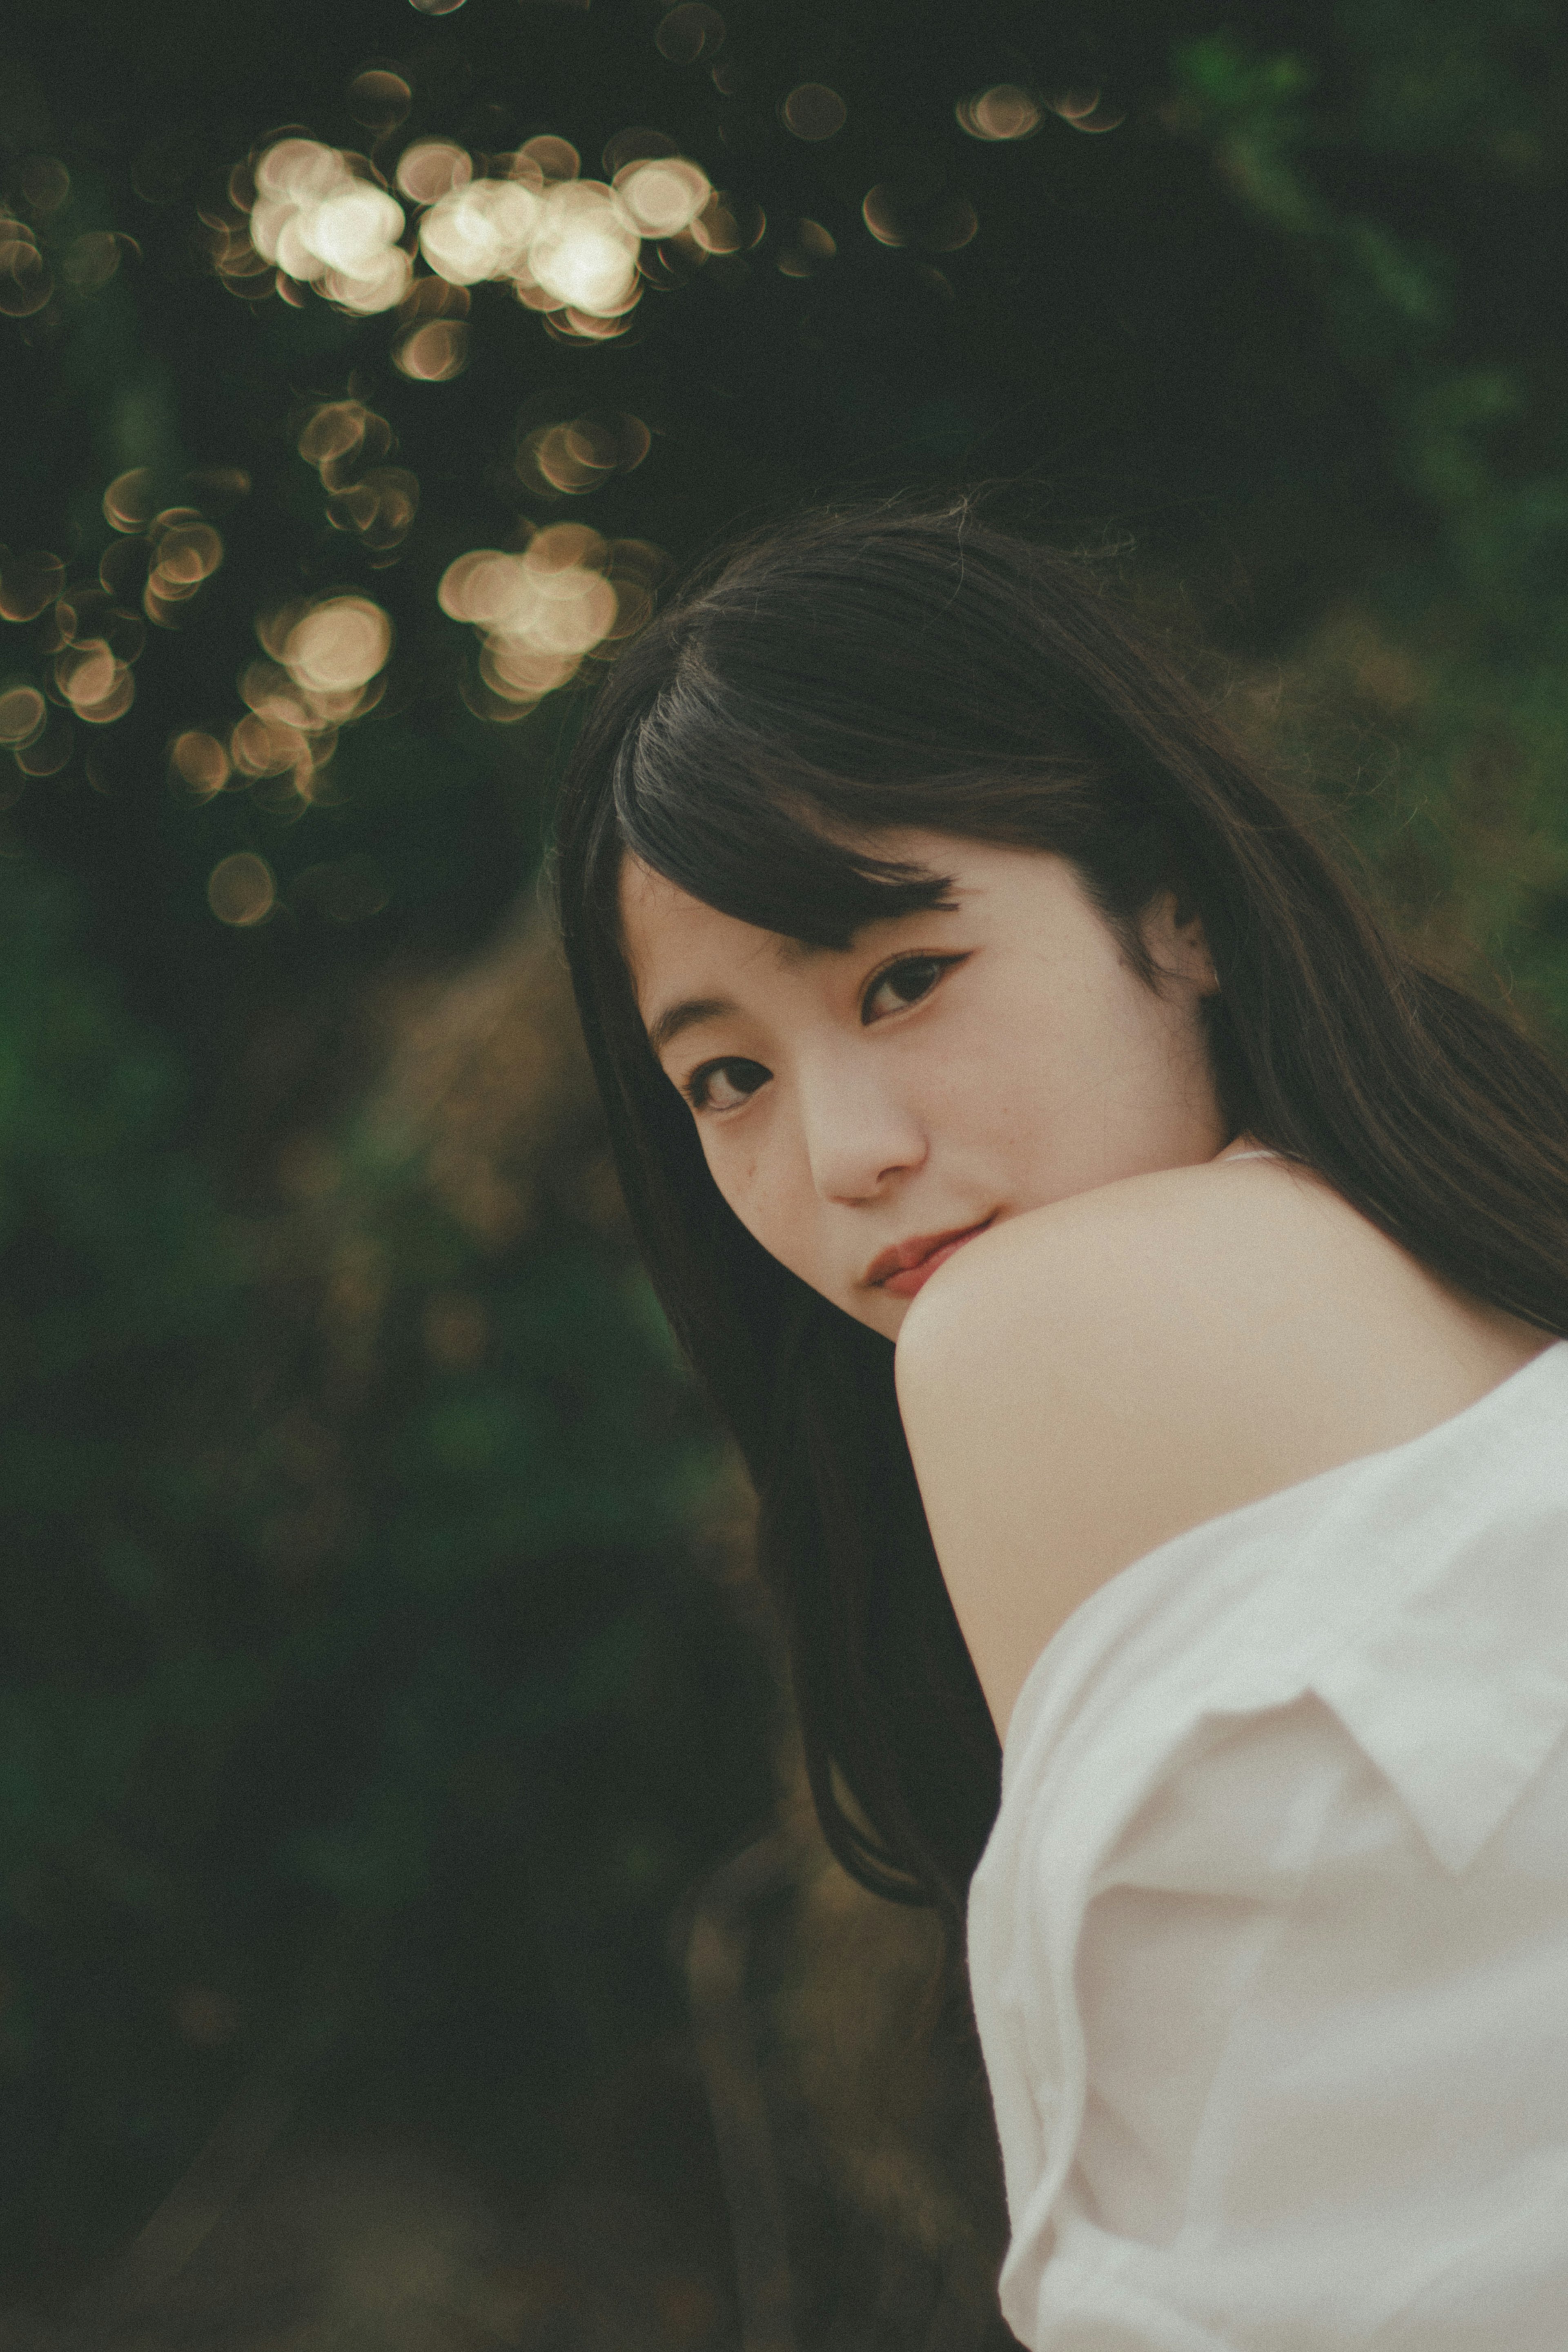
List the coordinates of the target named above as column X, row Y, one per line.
column 1325, row 2074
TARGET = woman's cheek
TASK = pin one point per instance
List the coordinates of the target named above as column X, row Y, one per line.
column 734, row 1167
column 760, row 1194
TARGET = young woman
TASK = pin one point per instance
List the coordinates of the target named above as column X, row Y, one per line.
column 1136, row 1287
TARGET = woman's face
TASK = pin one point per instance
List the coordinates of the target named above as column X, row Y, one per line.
column 866, row 1110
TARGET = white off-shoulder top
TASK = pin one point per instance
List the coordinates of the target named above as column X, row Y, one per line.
column 1269, row 1943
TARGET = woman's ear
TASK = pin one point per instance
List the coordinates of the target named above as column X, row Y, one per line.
column 1178, row 942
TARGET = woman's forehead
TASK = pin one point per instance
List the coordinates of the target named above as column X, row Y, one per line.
column 665, row 931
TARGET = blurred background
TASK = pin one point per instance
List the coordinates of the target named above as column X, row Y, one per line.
column 413, row 1937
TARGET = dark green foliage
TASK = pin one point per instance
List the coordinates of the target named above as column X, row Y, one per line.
column 1415, row 173
column 420, row 1685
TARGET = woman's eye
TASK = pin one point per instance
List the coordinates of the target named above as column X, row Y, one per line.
column 722, row 1086
column 902, row 984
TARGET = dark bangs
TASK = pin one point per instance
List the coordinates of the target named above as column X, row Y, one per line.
column 694, row 802
column 785, row 735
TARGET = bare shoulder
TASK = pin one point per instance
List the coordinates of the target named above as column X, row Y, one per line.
column 1089, row 1380
column 1189, row 1253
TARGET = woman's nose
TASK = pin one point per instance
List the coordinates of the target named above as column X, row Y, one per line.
column 859, row 1136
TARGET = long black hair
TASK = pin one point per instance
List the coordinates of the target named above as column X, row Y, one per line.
column 860, row 670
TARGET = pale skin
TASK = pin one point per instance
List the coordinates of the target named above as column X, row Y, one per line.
column 1146, row 1331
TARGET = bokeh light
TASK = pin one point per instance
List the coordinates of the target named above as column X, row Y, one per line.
column 28, row 582
column 92, row 260
column 322, row 668
column 638, row 143
column 23, row 713
column 480, row 230
column 90, row 635
column 541, row 610
column 1083, row 109
column 814, row 112
column 130, row 502
column 198, row 763
column 306, row 216
column 26, row 282
column 940, row 223
column 267, row 747
column 337, row 645
column 881, row 217
column 343, row 439
column 1006, row 110
column 49, row 750
column 337, row 433
column 545, row 158
column 433, row 353
column 811, row 249
column 183, row 550
column 584, row 253
column 85, row 613
column 662, row 195
column 321, row 223
column 577, row 458
column 45, row 183
column 379, row 98
column 242, row 889
column 726, row 226
column 689, row 32
column 431, row 168
column 98, row 686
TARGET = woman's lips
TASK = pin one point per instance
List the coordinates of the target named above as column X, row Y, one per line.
column 911, row 1263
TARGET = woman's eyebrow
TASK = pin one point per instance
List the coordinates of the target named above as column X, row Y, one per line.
column 669, row 1023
